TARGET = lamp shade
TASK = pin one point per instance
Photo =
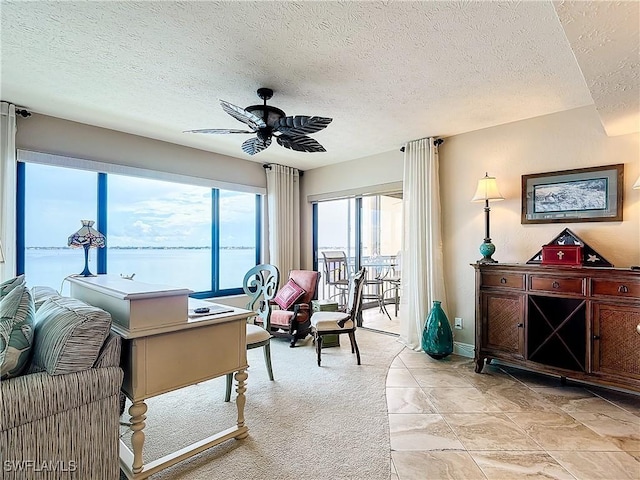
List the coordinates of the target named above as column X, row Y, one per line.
column 487, row 190
column 637, row 184
column 87, row 236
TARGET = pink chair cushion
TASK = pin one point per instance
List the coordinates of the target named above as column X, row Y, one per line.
column 289, row 294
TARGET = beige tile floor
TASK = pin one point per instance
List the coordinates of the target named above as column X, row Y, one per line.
column 447, row 422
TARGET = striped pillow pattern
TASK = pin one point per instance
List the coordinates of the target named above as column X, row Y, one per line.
column 17, row 314
column 68, row 335
column 8, row 285
column 42, row 294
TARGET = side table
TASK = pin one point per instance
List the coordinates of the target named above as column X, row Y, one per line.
column 327, row 306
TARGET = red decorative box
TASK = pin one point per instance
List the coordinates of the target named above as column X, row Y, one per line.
column 562, row 255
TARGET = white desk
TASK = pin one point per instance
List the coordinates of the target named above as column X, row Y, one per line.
column 162, row 352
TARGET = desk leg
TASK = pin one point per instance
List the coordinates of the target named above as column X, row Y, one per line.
column 137, row 412
column 241, row 377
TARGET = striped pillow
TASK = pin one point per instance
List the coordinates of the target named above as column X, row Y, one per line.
column 42, row 294
column 8, row 285
column 17, row 314
column 68, row 335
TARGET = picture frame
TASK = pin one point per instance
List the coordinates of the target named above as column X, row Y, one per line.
column 591, row 194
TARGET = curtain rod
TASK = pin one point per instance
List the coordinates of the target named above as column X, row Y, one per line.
column 267, row 166
column 437, row 142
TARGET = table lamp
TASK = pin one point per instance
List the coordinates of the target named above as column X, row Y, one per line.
column 487, row 190
column 86, row 238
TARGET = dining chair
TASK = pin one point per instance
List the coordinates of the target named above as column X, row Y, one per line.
column 335, row 323
column 260, row 284
column 394, row 279
column 336, row 274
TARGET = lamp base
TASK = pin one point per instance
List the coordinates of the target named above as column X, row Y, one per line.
column 487, row 249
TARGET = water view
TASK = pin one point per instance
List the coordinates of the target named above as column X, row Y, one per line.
column 179, row 267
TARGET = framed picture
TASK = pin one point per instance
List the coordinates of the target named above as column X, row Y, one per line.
column 582, row 195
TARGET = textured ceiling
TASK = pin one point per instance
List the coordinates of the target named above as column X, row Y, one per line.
column 386, row 72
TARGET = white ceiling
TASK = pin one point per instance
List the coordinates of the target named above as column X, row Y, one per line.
column 386, row 72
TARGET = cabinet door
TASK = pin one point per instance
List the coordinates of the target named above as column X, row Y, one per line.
column 503, row 323
column 616, row 340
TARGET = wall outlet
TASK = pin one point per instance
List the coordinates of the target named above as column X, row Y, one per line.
column 458, row 323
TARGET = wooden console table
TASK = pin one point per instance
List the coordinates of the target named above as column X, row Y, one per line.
column 164, row 350
column 575, row 322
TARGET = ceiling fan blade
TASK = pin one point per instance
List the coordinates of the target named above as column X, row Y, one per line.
column 217, row 130
column 301, row 124
column 255, row 145
column 243, row 115
column 300, row 143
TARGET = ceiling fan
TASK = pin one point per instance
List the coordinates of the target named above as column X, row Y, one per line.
column 267, row 122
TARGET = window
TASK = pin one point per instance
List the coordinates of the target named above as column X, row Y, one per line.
column 165, row 232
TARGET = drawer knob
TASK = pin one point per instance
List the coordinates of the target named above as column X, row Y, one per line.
column 555, row 285
column 503, row 280
column 596, row 337
column 520, row 325
column 638, row 328
column 623, row 289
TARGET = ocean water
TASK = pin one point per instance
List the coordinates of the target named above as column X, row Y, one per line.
column 178, row 267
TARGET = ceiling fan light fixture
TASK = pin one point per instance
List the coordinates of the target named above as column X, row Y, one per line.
column 267, row 121
column 269, row 114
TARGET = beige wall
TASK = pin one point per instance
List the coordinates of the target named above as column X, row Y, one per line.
column 42, row 133
column 567, row 140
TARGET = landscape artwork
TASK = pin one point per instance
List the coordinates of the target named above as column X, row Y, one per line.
column 567, row 196
column 591, row 194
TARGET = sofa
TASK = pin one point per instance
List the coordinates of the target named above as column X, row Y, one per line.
column 59, row 409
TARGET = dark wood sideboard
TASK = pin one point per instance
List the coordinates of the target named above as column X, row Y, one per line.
column 576, row 322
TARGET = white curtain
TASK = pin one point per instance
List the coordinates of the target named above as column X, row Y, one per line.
column 283, row 198
column 8, row 169
column 422, row 263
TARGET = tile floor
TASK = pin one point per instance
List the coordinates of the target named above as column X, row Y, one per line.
column 447, row 422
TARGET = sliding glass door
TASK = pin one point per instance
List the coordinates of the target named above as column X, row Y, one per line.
column 368, row 229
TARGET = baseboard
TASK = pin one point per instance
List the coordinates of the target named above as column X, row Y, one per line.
column 463, row 349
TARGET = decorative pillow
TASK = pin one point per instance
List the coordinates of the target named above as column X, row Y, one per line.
column 288, row 294
column 69, row 335
column 42, row 294
column 8, row 285
column 17, row 314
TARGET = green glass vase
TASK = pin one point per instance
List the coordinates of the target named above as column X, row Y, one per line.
column 437, row 338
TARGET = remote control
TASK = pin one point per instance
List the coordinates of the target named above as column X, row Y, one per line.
column 202, row 310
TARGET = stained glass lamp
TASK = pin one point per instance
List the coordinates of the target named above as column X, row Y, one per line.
column 487, row 190
column 86, row 238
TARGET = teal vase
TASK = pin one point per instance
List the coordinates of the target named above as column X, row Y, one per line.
column 437, row 338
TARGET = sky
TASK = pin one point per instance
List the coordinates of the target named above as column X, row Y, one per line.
column 141, row 212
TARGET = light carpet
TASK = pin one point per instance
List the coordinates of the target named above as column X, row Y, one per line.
column 312, row 422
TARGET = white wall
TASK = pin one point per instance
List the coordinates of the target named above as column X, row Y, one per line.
column 562, row 141
column 42, row 133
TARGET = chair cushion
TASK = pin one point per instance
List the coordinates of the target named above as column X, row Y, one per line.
column 17, row 314
column 8, row 285
column 68, row 335
column 256, row 334
column 281, row 318
column 326, row 321
column 289, row 294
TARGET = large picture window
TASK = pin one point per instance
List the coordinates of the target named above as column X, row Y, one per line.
column 164, row 232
